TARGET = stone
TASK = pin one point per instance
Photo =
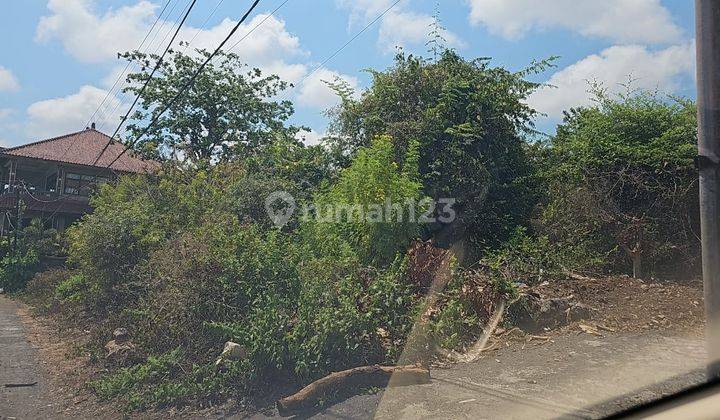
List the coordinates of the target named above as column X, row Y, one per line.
column 578, row 312
column 232, row 351
column 122, row 352
column 121, row 335
column 531, row 313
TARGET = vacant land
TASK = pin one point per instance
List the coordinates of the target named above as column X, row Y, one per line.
column 636, row 349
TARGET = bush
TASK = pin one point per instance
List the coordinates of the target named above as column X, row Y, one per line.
column 375, row 182
column 531, row 259
column 622, row 182
column 22, row 256
column 219, row 273
column 160, row 382
column 16, row 270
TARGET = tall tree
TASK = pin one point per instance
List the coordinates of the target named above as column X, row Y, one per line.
column 469, row 119
column 622, row 177
column 229, row 111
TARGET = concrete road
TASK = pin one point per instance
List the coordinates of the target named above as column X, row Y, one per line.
column 19, row 366
column 574, row 376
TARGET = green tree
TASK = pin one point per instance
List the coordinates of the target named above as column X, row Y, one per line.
column 622, row 179
column 469, row 119
column 228, row 112
column 368, row 209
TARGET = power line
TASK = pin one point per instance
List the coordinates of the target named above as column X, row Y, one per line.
column 318, row 67
column 186, row 86
column 142, row 89
column 258, row 25
column 122, row 102
column 354, row 37
column 128, row 64
column 157, row 66
column 207, row 19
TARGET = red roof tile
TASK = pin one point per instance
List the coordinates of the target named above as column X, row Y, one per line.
column 82, row 148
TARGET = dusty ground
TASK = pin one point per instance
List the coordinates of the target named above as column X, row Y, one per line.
column 570, row 376
column 645, row 340
column 628, row 304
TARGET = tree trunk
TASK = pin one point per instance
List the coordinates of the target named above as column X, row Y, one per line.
column 352, row 380
column 637, row 265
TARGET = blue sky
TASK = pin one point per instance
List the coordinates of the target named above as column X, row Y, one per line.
column 59, row 60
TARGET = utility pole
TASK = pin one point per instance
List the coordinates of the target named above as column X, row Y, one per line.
column 707, row 29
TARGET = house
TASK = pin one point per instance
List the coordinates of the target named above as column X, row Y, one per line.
column 52, row 179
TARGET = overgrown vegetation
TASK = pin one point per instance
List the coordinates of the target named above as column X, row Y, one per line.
column 25, row 252
column 189, row 259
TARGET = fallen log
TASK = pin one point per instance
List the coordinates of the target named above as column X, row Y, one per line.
column 350, row 381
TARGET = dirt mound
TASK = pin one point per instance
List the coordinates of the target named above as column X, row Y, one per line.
column 628, row 304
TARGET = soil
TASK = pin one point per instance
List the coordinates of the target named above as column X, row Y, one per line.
column 644, row 341
column 643, row 334
column 628, row 304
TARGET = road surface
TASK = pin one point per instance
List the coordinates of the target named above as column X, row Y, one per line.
column 19, row 366
column 575, row 375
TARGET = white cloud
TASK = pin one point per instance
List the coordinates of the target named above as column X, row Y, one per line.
column 57, row 116
column 399, row 26
column 96, row 38
column 623, row 21
column 316, row 93
column 364, row 10
column 8, row 82
column 310, row 138
column 117, row 71
column 269, row 43
column 612, row 66
column 92, row 38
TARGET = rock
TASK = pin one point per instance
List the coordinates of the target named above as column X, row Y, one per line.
column 121, row 335
column 578, row 312
column 122, row 352
column 532, row 314
column 232, row 351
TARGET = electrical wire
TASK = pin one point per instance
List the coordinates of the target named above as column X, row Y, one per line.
column 142, row 89
column 207, row 19
column 348, row 42
column 152, row 73
column 258, row 25
column 187, row 85
column 122, row 73
column 120, row 103
column 315, row 70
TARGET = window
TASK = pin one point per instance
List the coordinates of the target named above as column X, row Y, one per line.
column 79, row 184
column 51, row 182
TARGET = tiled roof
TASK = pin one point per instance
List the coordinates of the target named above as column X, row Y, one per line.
column 82, row 148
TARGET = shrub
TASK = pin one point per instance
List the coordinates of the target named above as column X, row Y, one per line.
column 41, row 289
column 16, row 270
column 160, row 381
column 375, row 182
column 529, row 259
column 219, row 273
column 623, row 183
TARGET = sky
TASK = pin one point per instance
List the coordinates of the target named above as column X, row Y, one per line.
column 59, row 58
